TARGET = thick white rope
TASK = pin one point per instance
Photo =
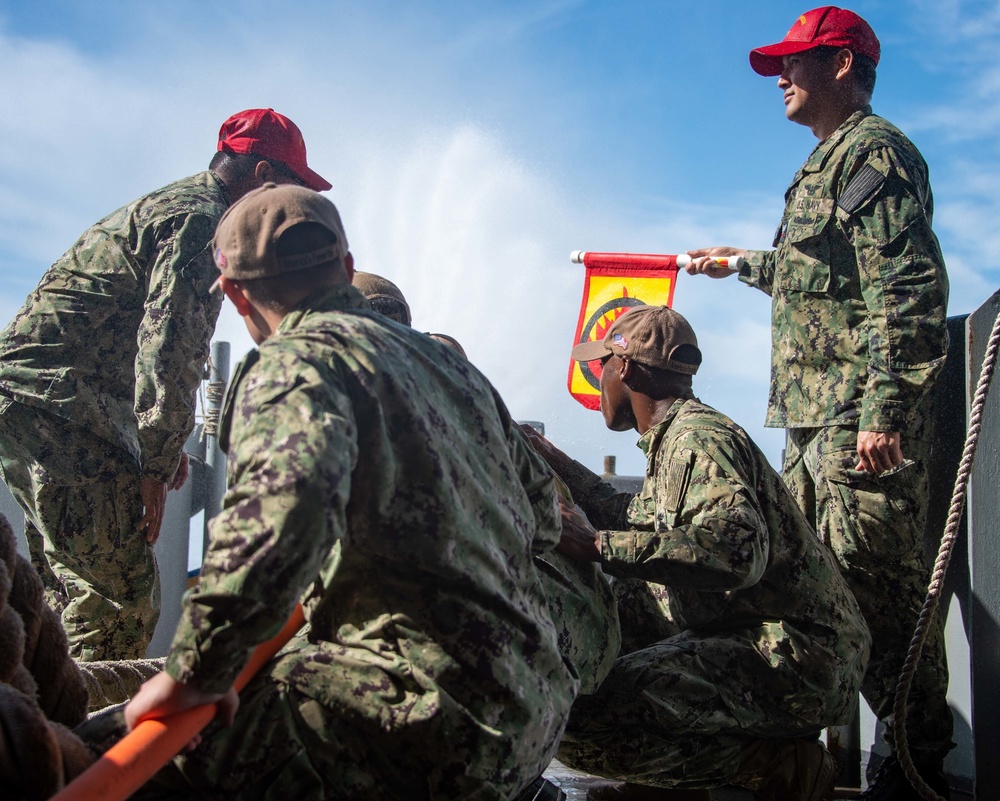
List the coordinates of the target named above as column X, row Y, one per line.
column 941, row 567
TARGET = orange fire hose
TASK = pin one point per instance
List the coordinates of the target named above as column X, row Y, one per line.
column 133, row 760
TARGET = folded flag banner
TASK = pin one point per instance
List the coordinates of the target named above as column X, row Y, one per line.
column 614, row 283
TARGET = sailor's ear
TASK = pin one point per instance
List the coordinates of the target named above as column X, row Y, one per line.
column 235, row 292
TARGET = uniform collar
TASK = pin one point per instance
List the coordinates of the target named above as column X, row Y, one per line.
column 222, row 187
column 649, row 443
column 341, row 297
column 817, row 159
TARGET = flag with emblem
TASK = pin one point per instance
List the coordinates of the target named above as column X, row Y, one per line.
column 614, row 283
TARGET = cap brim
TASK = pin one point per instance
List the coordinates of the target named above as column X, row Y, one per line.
column 589, row 351
column 767, row 61
column 312, row 179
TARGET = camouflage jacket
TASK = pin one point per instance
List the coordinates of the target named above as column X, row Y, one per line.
column 377, row 476
column 717, row 527
column 858, row 285
column 116, row 335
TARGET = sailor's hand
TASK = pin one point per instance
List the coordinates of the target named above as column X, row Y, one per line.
column 702, row 261
column 154, row 498
column 162, row 695
column 182, row 472
column 878, row 451
column 579, row 540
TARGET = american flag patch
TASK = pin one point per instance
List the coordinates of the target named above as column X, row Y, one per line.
column 620, row 341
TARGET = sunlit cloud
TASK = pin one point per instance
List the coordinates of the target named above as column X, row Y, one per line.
column 422, row 121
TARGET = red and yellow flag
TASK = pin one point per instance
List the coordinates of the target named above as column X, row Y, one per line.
column 614, row 283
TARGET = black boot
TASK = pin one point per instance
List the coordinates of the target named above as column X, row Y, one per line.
column 890, row 782
column 787, row 770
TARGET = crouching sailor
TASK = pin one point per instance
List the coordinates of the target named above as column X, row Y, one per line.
column 742, row 641
column 384, row 487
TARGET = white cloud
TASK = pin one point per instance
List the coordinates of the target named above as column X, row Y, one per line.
column 955, row 123
column 509, row 23
column 477, row 235
column 961, row 23
column 479, row 243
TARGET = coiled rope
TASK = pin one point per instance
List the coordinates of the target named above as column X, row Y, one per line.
column 215, row 391
column 114, row 682
column 941, row 567
column 211, row 394
column 41, row 690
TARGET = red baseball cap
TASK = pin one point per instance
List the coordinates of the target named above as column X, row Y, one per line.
column 266, row 133
column 829, row 26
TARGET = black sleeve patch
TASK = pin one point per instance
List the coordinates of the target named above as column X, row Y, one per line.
column 861, row 187
column 678, row 476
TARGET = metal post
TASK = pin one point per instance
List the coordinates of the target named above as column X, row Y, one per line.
column 215, row 459
column 844, row 742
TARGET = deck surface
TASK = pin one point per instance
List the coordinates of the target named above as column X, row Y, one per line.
column 575, row 785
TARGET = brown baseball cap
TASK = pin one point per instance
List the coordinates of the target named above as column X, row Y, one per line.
column 450, row 342
column 384, row 295
column 246, row 239
column 825, row 26
column 649, row 335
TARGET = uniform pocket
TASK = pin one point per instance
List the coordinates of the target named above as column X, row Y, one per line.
column 805, row 264
column 878, row 513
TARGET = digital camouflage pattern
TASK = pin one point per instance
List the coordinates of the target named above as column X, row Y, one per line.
column 377, row 476
column 578, row 594
column 97, row 573
column 98, row 371
column 116, row 334
column 875, row 525
column 859, row 297
column 583, row 607
column 770, row 641
column 584, row 612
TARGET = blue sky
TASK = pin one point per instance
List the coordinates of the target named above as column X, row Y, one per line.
column 473, row 145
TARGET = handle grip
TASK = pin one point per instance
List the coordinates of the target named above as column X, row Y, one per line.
column 134, row 759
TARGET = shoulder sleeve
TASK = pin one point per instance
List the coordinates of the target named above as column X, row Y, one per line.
column 884, row 204
column 173, row 340
column 758, row 270
column 709, row 532
column 293, row 446
column 604, row 505
column 537, row 479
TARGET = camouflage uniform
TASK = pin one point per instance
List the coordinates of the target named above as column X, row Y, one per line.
column 98, row 373
column 859, row 293
column 583, row 609
column 578, row 594
column 770, row 641
column 377, row 476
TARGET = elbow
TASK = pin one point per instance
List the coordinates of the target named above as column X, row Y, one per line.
column 746, row 577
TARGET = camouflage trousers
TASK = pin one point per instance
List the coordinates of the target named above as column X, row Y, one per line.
column 287, row 744
column 875, row 527
column 678, row 712
column 80, row 524
column 585, row 614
